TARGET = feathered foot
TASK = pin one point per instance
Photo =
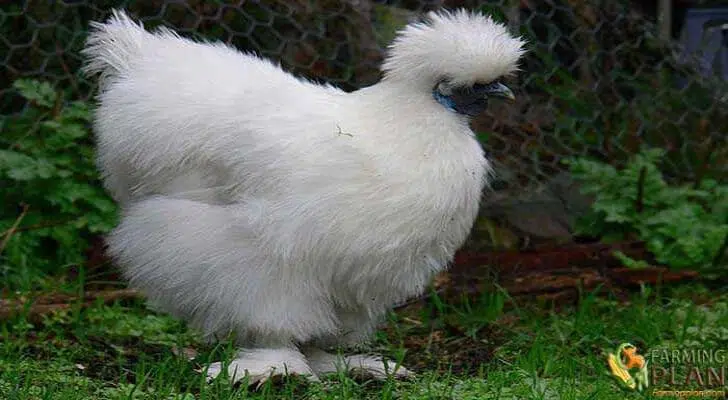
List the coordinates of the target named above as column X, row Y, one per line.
column 262, row 364
column 322, row 362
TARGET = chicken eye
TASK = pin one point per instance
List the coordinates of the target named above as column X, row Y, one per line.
column 445, row 88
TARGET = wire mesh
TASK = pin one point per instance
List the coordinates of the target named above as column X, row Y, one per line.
column 597, row 81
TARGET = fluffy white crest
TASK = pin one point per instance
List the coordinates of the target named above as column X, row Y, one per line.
column 461, row 46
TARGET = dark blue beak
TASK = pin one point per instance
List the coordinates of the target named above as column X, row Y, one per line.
column 473, row 100
column 494, row 89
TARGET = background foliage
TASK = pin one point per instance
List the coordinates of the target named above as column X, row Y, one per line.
column 52, row 199
column 683, row 226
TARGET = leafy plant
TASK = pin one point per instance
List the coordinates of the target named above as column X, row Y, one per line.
column 684, row 226
column 53, row 201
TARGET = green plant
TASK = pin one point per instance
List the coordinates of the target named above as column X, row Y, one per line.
column 684, row 226
column 53, row 202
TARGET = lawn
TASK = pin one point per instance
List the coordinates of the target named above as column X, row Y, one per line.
column 486, row 347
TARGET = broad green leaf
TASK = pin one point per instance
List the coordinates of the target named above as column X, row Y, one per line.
column 41, row 93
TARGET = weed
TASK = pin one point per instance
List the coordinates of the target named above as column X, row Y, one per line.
column 53, row 202
column 684, row 226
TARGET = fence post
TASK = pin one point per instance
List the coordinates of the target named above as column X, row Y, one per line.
column 664, row 19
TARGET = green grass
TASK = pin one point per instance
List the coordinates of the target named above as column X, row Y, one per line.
column 480, row 349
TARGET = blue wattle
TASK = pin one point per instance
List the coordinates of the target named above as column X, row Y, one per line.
column 446, row 101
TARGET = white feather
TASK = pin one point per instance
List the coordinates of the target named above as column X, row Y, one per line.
column 285, row 211
column 462, row 46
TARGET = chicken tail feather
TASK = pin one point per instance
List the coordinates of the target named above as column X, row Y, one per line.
column 112, row 46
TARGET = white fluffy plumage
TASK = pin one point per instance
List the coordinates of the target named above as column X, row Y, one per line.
column 291, row 214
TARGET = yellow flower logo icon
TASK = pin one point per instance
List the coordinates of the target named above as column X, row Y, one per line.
column 628, row 367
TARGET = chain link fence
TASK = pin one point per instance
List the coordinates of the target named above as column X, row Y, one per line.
column 597, row 81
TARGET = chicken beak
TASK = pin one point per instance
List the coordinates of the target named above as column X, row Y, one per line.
column 498, row 89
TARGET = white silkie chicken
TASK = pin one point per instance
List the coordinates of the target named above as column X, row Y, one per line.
column 292, row 214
